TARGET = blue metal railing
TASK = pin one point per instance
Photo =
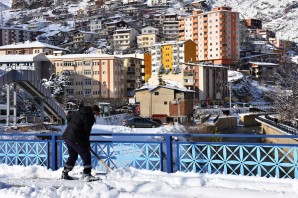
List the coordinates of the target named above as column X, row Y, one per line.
column 202, row 153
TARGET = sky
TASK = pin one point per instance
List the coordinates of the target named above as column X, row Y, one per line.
column 37, row 181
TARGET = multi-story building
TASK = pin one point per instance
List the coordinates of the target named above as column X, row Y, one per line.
column 170, row 30
column 16, row 35
column 82, row 37
column 124, row 38
column 206, row 80
column 216, row 33
column 148, row 37
column 145, row 41
column 210, row 82
column 253, row 23
column 29, row 47
column 132, row 2
column 169, row 56
column 91, row 75
column 168, row 25
column 95, row 25
column 147, row 66
column 152, row 3
column 264, row 34
column 133, row 75
column 149, row 30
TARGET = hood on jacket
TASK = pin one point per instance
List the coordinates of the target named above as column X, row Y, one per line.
column 86, row 110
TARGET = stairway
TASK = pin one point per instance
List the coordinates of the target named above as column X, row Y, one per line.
column 28, row 81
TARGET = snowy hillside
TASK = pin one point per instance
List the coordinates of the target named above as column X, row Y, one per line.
column 277, row 15
column 5, row 4
column 244, row 88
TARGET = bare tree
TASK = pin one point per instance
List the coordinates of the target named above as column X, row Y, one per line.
column 285, row 92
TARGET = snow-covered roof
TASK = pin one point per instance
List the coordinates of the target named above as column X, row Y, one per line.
column 167, row 86
column 29, row 44
column 128, row 56
column 264, row 63
column 21, row 58
column 73, row 56
column 120, row 30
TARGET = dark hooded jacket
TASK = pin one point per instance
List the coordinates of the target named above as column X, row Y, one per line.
column 79, row 128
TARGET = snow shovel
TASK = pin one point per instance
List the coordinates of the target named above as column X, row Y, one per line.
column 101, row 161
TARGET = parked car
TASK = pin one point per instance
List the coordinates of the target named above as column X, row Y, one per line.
column 139, row 122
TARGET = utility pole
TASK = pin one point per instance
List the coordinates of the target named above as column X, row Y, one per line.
column 1, row 15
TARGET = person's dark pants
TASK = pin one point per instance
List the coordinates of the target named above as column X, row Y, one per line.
column 74, row 150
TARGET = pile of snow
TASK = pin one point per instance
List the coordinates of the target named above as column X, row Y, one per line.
column 234, row 76
column 37, row 181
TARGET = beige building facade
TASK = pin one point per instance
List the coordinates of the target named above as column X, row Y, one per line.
column 124, row 38
column 165, row 101
column 91, row 75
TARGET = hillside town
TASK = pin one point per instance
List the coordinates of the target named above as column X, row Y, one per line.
column 158, row 58
column 148, row 98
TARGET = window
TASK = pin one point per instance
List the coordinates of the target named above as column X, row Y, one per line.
column 87, row 72
column 87, row 81
column 87, row 91
column 70, row 82
column 70, row 92
column 156, row 93
column 165, row 102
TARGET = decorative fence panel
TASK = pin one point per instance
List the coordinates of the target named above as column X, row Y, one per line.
column 165, row 152
column 24, row 152
column 266, row 161
column 115, row 155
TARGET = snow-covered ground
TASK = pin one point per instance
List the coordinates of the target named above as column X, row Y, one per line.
column 38, row 181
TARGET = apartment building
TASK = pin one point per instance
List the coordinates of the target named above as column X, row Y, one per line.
column 133, row 75
column 132, row 2
column 216, row 34
column 170, row 30
column 145, row 41
column 17, row 35
column 124, row 38
column 153, row 3
column 253, row 23
column 91, row 75
column 168, row 25
column 82, row 37
column 206, row 80
column 29, row 47
column 170, row 55
column 148, row 37
column 95, row 25
column 147, row 66
column 210, row 81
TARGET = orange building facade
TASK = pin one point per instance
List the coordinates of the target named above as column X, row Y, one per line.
column 216, row 34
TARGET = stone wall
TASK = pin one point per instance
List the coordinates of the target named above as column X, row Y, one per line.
column 227, row 122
